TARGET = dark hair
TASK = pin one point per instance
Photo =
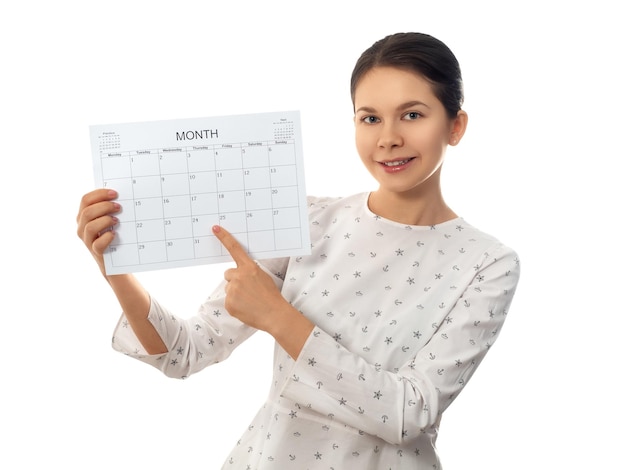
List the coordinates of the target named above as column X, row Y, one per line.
column 419, row 53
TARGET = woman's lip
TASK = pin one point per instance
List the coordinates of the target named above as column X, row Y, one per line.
column 396, row 165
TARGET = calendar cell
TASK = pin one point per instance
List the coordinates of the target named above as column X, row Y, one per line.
column 229, row 180
column 231, row 201
column 205, row 203
column 126, row 213
column 255, row 155
column 150, row 230
column 283, row 176
column 180, row 249
column 257, row 178
column 262, row 241
column 146, row 187
column 175, row 184
column 259, row 220
column 234, row 222
column 173, row 161
column 115, row 166
column 152, row 252
column 200, row 159
column 202, row 182
column 148, row 208
column 256, row 199
column 124, row 255
column 123, row 186
column 207, row 247
column 125, row 233
column 228, row 158
column 288, row 239
column 282, row 154
column 286, row 217
column 202, row 224
column 178, row 227
column 144, row 163
column 285, row 197
column 174, row 206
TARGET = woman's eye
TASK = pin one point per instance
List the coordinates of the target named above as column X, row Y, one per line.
column 370, row 119
column 412, row 115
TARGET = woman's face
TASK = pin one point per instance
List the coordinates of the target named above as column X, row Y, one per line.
column 402, row 130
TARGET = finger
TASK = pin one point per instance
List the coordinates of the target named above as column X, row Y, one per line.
column 235, row 249
column 229, row 274
column 96, row 228
column 97, row 217
column 101, row 243
column 94, row 197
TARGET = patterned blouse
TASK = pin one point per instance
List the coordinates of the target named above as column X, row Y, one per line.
column 403, row 314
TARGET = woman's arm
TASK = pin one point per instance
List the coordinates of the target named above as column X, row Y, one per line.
column 397, row 405
column 95, row 221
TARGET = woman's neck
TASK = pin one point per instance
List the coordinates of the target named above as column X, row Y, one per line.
column 410, row 210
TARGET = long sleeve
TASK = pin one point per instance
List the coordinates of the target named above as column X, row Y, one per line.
column 397, row 405
column 196, row 342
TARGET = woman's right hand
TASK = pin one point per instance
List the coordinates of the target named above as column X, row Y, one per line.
column 95, row 222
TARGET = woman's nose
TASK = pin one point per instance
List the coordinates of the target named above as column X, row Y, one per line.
column 389, row 137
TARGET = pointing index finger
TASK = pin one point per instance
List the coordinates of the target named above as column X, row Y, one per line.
column 238, row 253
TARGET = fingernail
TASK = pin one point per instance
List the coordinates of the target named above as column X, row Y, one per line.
column 216, row 228
column 112, row 193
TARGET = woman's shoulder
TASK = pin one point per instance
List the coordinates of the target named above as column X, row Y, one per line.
column 483, row 244
column 322, row 203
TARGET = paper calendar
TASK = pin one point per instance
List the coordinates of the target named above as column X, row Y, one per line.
column 178, row 178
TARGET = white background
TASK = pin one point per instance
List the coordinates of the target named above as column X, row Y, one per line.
column 541, row 167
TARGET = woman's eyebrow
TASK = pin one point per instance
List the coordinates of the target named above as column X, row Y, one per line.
column 403, row 106
column 366, row 109
column 410, row 104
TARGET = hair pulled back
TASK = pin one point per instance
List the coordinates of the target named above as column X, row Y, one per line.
column 419, row 53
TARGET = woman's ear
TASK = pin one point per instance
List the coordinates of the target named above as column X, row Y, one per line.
column 459, row 124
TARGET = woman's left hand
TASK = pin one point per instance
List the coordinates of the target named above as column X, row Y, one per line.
column 253, row 298
column 251, row 295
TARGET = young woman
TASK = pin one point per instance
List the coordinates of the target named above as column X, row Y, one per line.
column 381, row 327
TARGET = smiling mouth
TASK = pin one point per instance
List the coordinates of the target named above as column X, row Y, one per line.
column 397, row 162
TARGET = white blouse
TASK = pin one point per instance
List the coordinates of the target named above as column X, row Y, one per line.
column 403, row 314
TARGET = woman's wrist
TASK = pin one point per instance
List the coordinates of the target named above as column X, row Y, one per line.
column 291, row 329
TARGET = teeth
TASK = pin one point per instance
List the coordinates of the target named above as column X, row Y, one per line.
column 397, row 162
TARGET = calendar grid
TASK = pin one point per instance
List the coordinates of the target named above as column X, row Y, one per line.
column 187, row 235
